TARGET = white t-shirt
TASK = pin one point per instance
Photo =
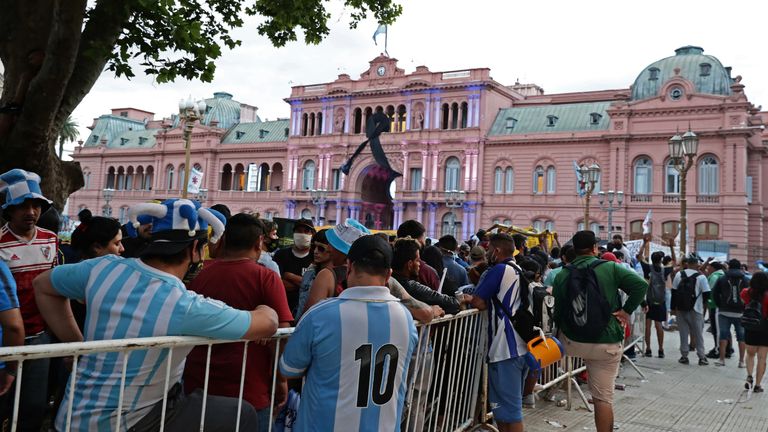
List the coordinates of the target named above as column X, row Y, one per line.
column 702, row 286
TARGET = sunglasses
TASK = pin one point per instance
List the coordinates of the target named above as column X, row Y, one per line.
column 321, row 247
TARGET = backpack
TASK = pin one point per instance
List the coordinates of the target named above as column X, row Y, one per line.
column 685, row 299
column 730, row 298
column 657, row 287
column 753, row 319
column 587, row 310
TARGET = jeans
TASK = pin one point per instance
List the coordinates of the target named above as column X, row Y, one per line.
column 691, row 323
column 724, row 323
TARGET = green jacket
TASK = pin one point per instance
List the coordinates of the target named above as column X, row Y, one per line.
column 611, row 277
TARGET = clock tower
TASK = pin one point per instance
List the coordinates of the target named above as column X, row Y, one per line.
column 382, row 67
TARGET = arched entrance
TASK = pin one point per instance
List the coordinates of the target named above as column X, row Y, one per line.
column 376, row 202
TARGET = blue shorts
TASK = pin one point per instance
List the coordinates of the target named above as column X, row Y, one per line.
column 505, row 389
column 724, row 323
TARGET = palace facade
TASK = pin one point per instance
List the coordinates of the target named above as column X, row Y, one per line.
column 509, row 149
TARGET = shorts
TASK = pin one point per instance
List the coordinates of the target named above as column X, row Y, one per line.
column 505, row 389
column 724, row 325
column 602, row 361
column 656, row 312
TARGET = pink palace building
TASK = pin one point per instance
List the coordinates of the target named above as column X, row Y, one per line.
column 509, row 149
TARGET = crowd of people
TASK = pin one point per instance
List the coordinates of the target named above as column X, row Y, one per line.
column 178, row 268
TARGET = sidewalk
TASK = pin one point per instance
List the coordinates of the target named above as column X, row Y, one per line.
column 675, row 397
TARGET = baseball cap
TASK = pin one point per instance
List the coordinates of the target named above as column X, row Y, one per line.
column 584, row 240
column 609, row 256
column 371, row 250
column 477, row 253
column 305, row 223
column 344, row 234
column 692, row 258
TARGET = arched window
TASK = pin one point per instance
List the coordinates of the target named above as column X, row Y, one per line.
column 129, row 178
column 498, row 180
column 450, row 224
column 507, row 222
column 319, row 121
column 366, row 115
column 311, row 124
column 304, row 124
column 551, row 179
column 169, row 177
column 120, row 178
column 276, row 178
column 452, row 168
column 238, row 181
column 123, row 218
column 538, row 225
column 111, row 178
column 669, row 229
column 263, row 180
column 149, row 177
column 636, row 230
column 671, row 179
column 454, row 115
column 707, row 231
column 401, row 116
column 593, row 226
column 464, row 112
column 182, row 177
column 86, row 179
column 226, row 177
column 308, row 177
column 538, row 180
column 709, row 176
column 140, row 178
column 549, row 225
column 509, row 180
column 306, row 214
column 391, row 114
column 643, row 176
column 444, row 116
column 358, row 121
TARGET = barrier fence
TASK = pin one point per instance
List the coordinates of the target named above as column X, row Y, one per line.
column 447, row 378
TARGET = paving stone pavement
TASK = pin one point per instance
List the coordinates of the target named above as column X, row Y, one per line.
column 674, row 398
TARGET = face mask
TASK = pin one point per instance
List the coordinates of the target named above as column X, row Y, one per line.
column 271, row 245
column 302, row 241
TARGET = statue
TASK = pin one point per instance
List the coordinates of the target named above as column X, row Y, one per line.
column 375, row 125
column 338, row 123
column 418, row 119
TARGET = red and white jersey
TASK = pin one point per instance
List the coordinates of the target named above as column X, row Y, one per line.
column 27, row 259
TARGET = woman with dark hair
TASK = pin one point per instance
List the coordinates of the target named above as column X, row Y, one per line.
column 97, row 236
column 321, row 258
column 756, row 341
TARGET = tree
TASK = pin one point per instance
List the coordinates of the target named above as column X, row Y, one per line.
column 53, row 52
column 69, row 133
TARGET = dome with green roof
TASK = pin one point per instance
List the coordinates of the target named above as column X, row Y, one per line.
column 706, row 73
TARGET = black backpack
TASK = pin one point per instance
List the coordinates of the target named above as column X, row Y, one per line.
column 685, row 294
column 587, row 311
column 730, row 294
column 657, row 288
column 752, row 319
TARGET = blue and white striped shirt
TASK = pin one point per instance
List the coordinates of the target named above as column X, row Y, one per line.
column 355, row 350
column 126, row 298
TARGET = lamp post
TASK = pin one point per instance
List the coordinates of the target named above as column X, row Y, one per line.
column 189, row 111
column 682, row 151
column 454, row 200
column 108, row 194
column 606, row 201
column 590, row 175
column 319, row 197
column 202, row 195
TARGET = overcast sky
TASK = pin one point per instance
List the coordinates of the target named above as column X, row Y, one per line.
column 563, row 46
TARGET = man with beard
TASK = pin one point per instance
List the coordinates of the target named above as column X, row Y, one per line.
column 28, row 250
column 415, row 230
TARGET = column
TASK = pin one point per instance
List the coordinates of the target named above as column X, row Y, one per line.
column 427, row 113
column 346, row 117
column 294, row 117
column 420, row 211
column 406, row 172
column 320, row 171
column 432, row 215
column 477, row 111
column 424, row 169
column 408, row 116
column 472, row 218
column 339, row 207
column 289, row 172
column 295, row 171
column 467, row 212
column 399, row 207
column 470, row 106
column 435, row 155
column 467, row 168
column 473, row 184
column 438, row 119
column 321, row 214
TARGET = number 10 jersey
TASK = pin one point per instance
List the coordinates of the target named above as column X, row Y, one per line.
column 354, row 350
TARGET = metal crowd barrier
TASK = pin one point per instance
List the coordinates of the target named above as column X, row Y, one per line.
column 444, row 377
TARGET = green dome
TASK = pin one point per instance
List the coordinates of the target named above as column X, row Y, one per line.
column 705, row 72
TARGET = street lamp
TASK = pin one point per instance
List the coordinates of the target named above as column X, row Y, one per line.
column 202, row 195
column 108, row 194
column 189, row 111
column 682, row 151
column 319, row 197
column 606, row 201
column 454, row 200
column 590, row 175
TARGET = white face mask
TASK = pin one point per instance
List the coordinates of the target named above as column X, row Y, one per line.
column 302, row 241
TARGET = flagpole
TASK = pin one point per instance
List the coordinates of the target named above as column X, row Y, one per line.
column 386, row 35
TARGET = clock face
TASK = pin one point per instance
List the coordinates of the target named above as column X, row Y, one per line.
column 381, row 71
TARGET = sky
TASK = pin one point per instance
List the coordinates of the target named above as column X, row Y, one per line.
column 561, row 45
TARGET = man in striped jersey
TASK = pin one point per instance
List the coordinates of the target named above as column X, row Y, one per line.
column 28, row 250
column 501, row 290
column 130, row 298
column 354, row 350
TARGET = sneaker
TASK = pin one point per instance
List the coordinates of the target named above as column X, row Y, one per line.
column 713, row 354
column 529, row 401
column 757, row 389
column 748, row 384
column 683, row 360
column 661, row 353
column 742, row 365
column 719, row 363
column 703, row 362
column 648, row 353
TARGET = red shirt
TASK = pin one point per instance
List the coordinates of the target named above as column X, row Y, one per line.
column 428, row 276
column 746, row 299
column 242, row 284
column 27, row 259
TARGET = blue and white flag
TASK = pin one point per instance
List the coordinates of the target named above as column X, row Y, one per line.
column 195, row 181
column 579, row 183
column 647, row 223
column 382, row 29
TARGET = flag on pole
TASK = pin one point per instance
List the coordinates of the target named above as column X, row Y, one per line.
column 195, row 180
column 579, row 184
column 381, row 29
column 647, row 223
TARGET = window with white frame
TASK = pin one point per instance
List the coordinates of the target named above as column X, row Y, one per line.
column 671, row 179
column 551, row 179
column 415, row 179
column 643, row 176
column 538, row 180
column 709, row 176
column 335, row 179
column 509, row 180
column 452, row 169
column 498, row 180
column 308, row 176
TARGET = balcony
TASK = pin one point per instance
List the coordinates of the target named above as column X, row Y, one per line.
column 708, row 199
column 641, row 198
column 670, row 199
